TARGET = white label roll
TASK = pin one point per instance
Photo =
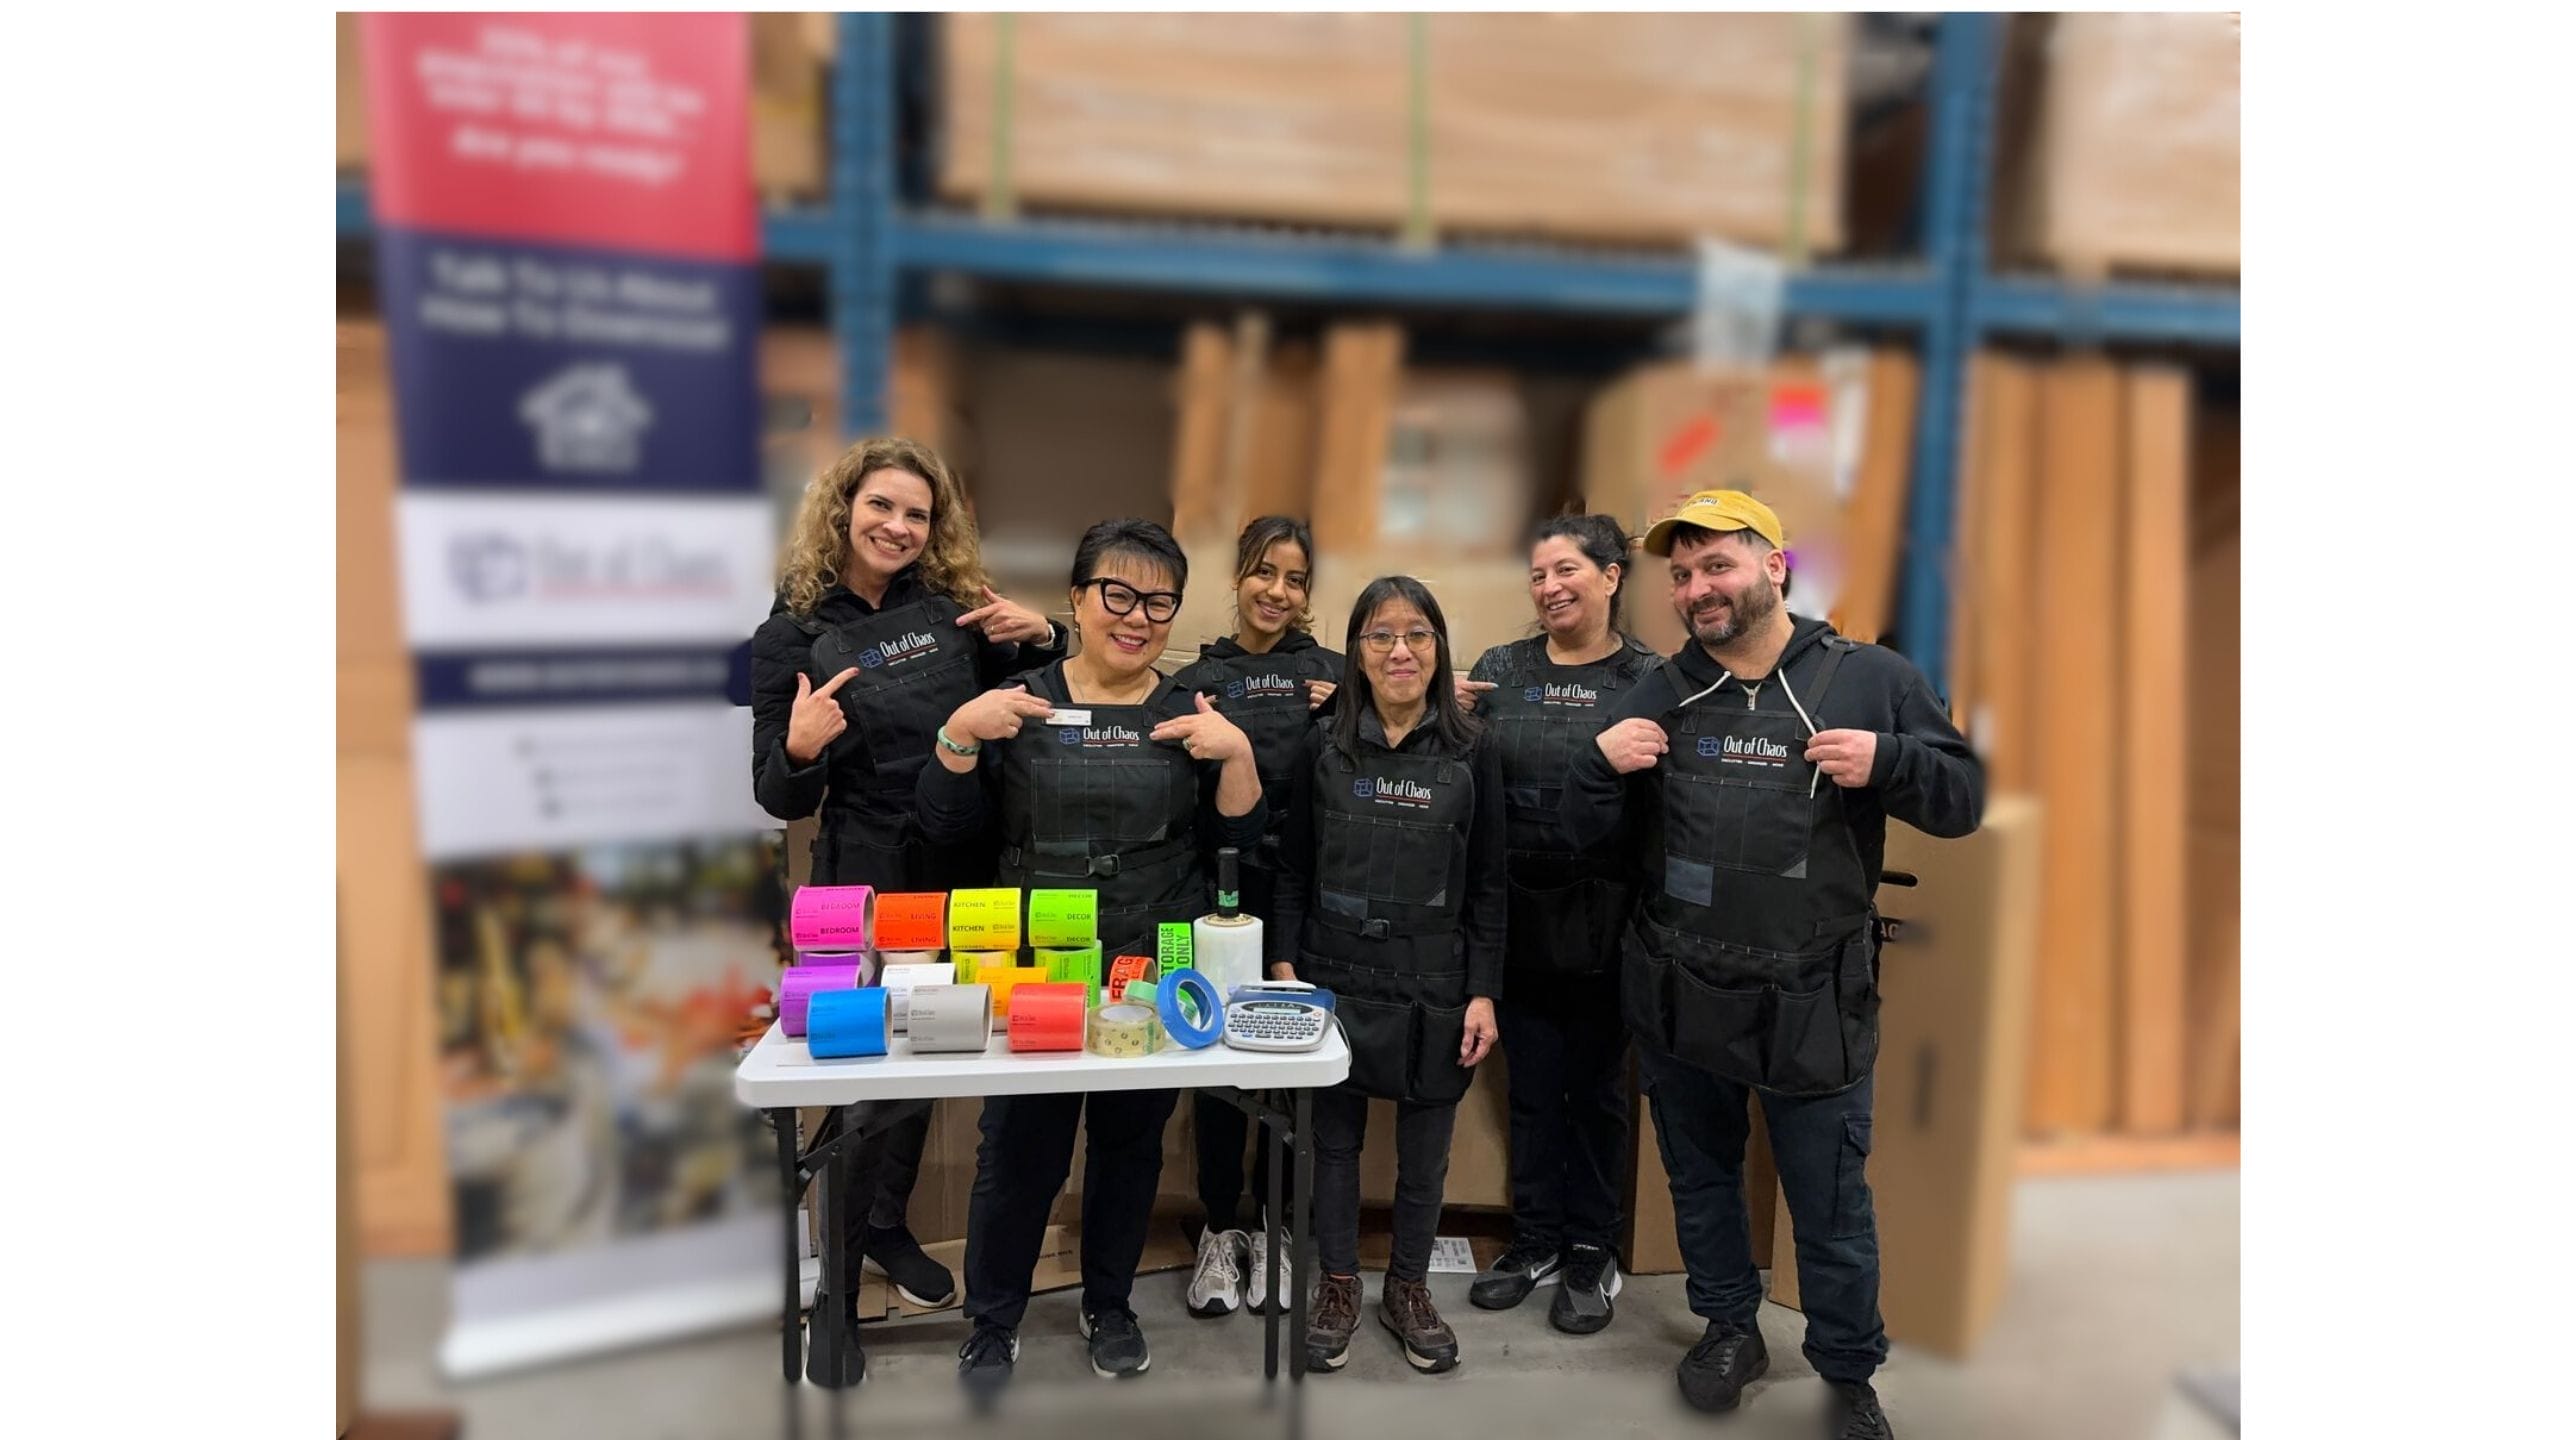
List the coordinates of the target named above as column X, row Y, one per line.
column 1228, row 953
column 949, row 1018
column 901, row 981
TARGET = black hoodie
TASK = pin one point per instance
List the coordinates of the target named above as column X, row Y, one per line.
column 779, row 655
column 1925, row 774
column 1277, row 764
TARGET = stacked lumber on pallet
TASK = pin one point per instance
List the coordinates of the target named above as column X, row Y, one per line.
column 2095, row 664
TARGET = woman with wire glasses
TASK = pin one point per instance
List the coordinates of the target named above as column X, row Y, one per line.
column 1095, row 772
column 1391, row 894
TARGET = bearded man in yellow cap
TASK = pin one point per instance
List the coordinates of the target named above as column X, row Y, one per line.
column 1757, row 767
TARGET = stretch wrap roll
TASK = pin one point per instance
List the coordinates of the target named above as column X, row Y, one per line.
column 902, row 981
column 1229, row 950
column 1189, row 1007
column 1122, row 1031
column 909, row 921
column 1062, row 919
column 945, row 1018
column 831, row 917
column 791, row 997
column 844, row 1024
column 1047, row 1016
column 986, row 920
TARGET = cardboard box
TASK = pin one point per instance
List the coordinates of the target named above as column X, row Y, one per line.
column 788, row 54
column 2121, row 144
column 1480, row 1152
column 1949, row 1069
column 352, row 152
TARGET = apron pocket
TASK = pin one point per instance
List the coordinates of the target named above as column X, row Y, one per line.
column 1807, row 1054
column 1438, row 1078
column 1381, row 1036
column 1717, row 1029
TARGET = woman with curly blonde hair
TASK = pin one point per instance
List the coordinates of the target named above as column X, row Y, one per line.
column 883, row 624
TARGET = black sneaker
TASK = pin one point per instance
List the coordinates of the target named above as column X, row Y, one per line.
column 1856, row 1412
column 827, row 1365
column 987, row 1358
column 1727, row 1358
column 1582, row 1305
column 1516, row 1272
column 1114, row 1342
column 920, row 1279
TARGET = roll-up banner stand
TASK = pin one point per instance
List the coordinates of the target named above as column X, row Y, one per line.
column 566, row 243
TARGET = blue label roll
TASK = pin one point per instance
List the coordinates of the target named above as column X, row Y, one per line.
column 1188, row 1004
column 845, row 1024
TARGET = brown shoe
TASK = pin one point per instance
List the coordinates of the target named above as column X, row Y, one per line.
column 1405, row 1308
column 1331, row 1318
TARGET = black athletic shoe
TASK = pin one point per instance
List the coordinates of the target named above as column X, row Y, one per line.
column 1582, row 1305
column 920, row 1279
column 1856, row 1413
column 1516, row 1272
column 1115, row 1343
column 1727, row 1358
column 825, row 1367
column 987, row 1358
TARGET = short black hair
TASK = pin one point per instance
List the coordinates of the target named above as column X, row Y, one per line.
column 1138, row 539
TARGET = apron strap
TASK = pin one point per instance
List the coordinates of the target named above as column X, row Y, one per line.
column 1834, row 647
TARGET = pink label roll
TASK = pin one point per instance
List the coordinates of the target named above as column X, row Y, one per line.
column 831, row 917
column 791, row 997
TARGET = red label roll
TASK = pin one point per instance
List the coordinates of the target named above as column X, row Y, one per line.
column 1049, row 1015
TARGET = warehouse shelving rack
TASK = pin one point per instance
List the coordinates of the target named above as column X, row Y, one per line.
column 866, row 239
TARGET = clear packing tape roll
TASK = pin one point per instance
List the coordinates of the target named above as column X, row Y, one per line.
column 1124, row 1031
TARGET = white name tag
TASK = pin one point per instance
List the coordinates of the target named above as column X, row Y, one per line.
column 1071, row 717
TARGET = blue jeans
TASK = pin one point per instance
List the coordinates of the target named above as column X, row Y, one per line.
column 1701, row 1121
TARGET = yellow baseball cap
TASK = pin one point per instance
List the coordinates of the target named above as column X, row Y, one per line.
column 1717, row 510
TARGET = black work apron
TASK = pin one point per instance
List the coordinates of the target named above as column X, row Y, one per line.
column 1266, row 697
column 1382, row 931
column 1752, row 955
column 1100, row 806
column 1567, row 906
column 913, row 666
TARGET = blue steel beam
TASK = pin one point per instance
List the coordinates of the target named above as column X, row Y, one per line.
column 2188, row 314
column 862, row 271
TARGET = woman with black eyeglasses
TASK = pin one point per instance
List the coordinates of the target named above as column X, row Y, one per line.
column 1095, row 772
column 1391, row 894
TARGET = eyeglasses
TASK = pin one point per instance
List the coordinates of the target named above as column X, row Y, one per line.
column 1383, row 642
column 1120, row 599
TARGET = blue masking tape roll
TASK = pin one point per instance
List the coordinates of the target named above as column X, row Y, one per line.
column 1184, row 995
column 844, row 1024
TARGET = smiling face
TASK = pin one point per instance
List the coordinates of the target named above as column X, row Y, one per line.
column 1571, row 593
column 891, row 518
column 1725, row 588
column 1402, row 674
column 1120, row 646
column 1272, row 593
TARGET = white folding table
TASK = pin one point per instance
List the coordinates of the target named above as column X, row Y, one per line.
column 780, row 1075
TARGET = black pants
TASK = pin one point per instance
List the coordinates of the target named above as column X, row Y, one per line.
column 1218, row 1130
column 1568, row 1052
column 1025, row 1146
column 1422, row 1167
column 880, row 1174
column 1821, row 1145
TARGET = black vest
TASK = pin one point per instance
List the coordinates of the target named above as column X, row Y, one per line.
column 1382, row 923
column 1568, row 905
column 1751, row 955
column 1100, row 806
column 913, row 666
column 1266, row 697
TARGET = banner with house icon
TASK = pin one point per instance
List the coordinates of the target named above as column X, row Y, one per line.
column 567, row 268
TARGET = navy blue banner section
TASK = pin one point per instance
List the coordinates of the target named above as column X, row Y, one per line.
column 541, row 368
column 451, row 681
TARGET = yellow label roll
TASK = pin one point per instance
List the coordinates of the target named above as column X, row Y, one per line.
column 986, row 919
column 966, row 964
column 1062, row 919
column 1083, row 965
column 1123, row 1031
column 1000, row 981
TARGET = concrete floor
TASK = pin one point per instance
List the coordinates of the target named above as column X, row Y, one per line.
column 2118, row 1283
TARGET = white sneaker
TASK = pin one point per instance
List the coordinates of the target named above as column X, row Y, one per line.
column 1213, row 1289
column 1257, row 1256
